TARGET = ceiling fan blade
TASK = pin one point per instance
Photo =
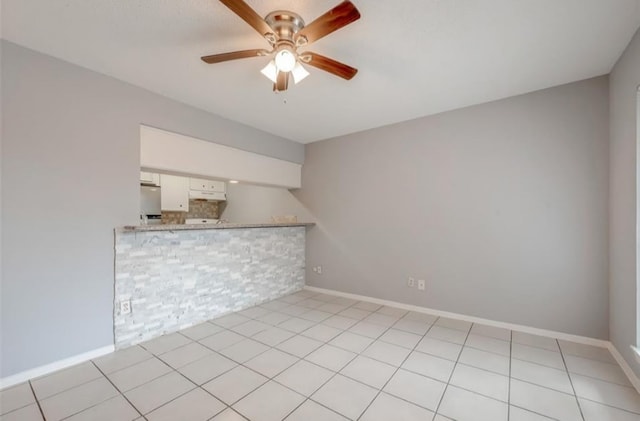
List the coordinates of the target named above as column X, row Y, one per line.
column 218, row 58
column 282, row 82
column 249, row 15
column 336, row 18
column 329, row 65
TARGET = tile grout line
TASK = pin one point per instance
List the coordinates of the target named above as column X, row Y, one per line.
column 227, row 406
column 327, row 342
column 119, row 391
column 566, row 371
column 443, row 340
column 454, row 369
column 356, row 321
column 37, row 401
column 197, row 386
column 538, row 364
column 399, row 366
column 357, row 354
column 81, row 384
column 534, row 412
column 299, row 358
column 611, row 406
column 68, row 388
column 135, row 363
column 575, row 395
column 510, row 361
column 54, row 394
column 174, row 370
column 308, row 398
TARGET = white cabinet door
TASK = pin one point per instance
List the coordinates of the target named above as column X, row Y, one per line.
column 202, row 184
column 175, row 193
column 199, row 184
column 149, row 178
column 216, row 186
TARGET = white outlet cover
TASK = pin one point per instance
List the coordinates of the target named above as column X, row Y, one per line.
column 411, row 282
column 421, row 284
column 125, row 307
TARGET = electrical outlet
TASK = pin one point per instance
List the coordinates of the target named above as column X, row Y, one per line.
column 319, row 270
column 125, row 307
column 411, row 282
column 421, row 284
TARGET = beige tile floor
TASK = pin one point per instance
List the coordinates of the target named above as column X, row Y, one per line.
column 308, row 357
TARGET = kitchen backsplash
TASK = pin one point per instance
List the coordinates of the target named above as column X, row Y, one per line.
column 197, row 209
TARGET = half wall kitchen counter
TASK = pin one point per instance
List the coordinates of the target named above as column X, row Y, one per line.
column 225, row 225
column 176, row 276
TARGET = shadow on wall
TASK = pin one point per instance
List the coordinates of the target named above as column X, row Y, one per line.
column 249, row 203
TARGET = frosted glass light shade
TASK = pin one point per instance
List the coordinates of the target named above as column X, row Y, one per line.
column 299, row 73
column 285, row 60
column 271, row 71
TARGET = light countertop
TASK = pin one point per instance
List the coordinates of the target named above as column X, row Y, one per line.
column 227, row 225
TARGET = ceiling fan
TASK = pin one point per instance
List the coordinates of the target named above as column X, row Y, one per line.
column 286, row 32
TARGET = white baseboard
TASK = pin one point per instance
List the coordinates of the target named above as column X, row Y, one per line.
column 54, row 366
column 526, row 329
column 625, row 366
column 511, row 326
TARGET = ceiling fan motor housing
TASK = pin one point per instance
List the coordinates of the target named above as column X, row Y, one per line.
column 285, row 24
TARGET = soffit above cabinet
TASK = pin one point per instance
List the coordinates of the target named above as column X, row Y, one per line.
column 174, row 153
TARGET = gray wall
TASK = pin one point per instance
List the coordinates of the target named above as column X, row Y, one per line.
column 255, row 204
column 501, row 207
column 624, row 80
column 1, row 136
column 70, row 163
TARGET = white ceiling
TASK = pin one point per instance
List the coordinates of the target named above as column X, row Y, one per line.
column 416, row 57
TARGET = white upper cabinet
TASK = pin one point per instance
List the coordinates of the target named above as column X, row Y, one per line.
column 175, row 193
column 149, row 178
column 202, row 184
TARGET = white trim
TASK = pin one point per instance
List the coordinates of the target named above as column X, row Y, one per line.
column 177, row 154
column 526, row 329
column 54, row 366
column 636, row 353
column 625, row 365
column 521, row 328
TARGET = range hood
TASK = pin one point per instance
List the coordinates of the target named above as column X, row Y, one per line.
column 212, row 196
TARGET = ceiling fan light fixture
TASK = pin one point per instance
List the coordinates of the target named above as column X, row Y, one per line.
column 271, row 71
column 286, row 31
column 299, row 73
column 285, row 60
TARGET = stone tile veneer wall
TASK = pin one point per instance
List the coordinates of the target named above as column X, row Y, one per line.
column 176, row 279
